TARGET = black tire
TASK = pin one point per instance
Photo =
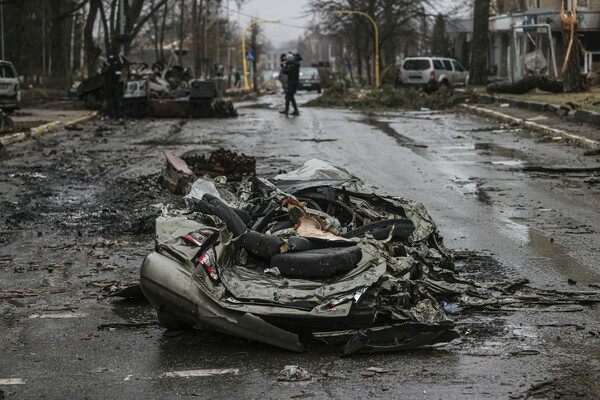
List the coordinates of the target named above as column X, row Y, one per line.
column 319, row 90
column 168, row 320
column 93, row 100
column 318, row 263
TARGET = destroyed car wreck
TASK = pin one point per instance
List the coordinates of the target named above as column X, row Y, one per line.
column 311, row 254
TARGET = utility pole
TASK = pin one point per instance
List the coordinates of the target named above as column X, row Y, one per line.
column 244, row 49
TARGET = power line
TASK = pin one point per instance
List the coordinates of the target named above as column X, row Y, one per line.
column 281, row 23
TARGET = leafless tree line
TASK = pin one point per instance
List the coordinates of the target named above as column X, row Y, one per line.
column 56, row 41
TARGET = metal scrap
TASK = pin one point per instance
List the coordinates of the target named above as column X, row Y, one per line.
column 10, row 294
column 221, row 162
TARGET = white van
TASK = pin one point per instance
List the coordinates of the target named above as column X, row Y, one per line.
column 432, row 72
column 10, row 95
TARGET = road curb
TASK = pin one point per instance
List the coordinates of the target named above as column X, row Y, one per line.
column 585, row 116
column 39, row 130
column 83, row 119
column 585, row 142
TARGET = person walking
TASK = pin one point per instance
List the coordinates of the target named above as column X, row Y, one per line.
column 112, row 71
column 283, row 79
column 291, row 68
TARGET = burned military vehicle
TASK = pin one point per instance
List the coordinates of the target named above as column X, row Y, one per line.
column 311, row 254
column 170, row 91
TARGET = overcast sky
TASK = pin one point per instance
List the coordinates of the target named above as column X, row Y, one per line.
column 290, row 12
column 294, row 16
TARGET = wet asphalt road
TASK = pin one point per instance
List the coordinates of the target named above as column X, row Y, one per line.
column 66, row 206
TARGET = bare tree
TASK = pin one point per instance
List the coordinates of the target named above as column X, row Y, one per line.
column 571, row 69
column 256, row 45
column 478, row 71
column 394, row 19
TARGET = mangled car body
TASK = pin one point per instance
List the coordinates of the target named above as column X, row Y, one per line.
column 312, row 254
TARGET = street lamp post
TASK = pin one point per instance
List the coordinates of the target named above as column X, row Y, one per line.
column 244, row 49
column 376, row 41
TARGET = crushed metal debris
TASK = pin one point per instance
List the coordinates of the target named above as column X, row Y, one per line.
column 316, row 253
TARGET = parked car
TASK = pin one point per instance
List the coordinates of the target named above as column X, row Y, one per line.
column 10, row 94
column 310, row 79
column 432, row 72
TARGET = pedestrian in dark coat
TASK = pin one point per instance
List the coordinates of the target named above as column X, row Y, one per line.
column 112, row 71
column 291, row 68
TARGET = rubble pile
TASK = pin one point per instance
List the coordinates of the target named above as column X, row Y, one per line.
column 315, row 249
column 181, row 172
column 221, row 162
column 317, row 253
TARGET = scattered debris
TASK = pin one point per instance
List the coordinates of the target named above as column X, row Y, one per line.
column 9, row 294
column 595, row 152
column 12, row 381
column 293, row 373
column 451, row 308
column 525, row 352
column 592, row 180
column 303, row 396
column 133, row 323
column 201, row 372
column 179, row 175
column 406, row 98
column 129, row 290
column 378, row 370
column 543, row 82
column 566, row 170
column 337, row 245
column 221, row 162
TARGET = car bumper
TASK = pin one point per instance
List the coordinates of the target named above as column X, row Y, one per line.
column 168, row 285
column 309, row 86
column 9, row 103
column 431, row 85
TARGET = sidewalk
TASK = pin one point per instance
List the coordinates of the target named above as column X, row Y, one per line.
column 586, row 135
column 34, row 121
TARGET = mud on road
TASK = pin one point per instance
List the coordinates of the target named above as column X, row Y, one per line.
column 77, row 216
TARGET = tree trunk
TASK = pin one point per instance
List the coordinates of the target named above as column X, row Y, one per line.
column 181, row 33
column 162, row 32
column 59, row 42
column 196, row 12
column 92, row 51
column 478, row 71
column 572, row 81
column 359, row 63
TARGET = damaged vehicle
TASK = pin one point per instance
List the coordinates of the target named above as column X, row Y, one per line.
column 313, row 254
column 169, row 91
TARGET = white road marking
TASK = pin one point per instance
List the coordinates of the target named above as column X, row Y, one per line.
column 58, row 315
column 202, row 372
column 12, row 381
column 128, row 378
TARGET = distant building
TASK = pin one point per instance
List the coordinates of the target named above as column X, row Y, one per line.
column 527, row 34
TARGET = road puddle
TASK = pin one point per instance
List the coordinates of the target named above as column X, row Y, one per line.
column 558, row 256
column 515, row 157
